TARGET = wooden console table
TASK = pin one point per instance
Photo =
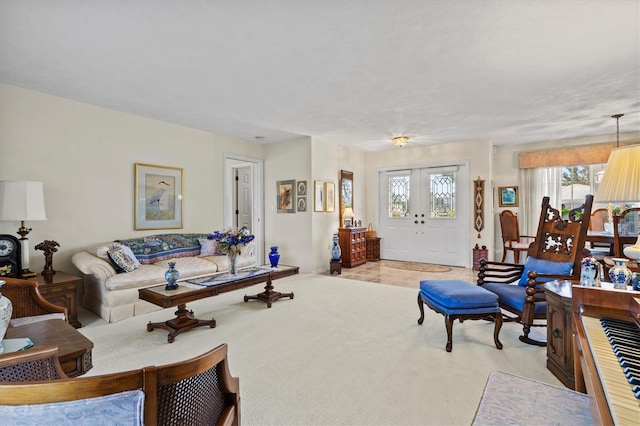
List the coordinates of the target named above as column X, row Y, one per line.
column 74, row 350
column 187, row 292
column 62, row 289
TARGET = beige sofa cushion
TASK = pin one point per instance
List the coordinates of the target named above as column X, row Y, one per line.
column 193, row 265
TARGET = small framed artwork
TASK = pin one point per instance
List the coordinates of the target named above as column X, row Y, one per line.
column 330, row 196
column 508, row 196
column 302, row 188
column 286, row 197
column 302, row 204
column 158, row 197
column 318, row 205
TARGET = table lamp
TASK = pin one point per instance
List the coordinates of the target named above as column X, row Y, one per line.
column 347, row 215
column 22, row 201
column 621, row 183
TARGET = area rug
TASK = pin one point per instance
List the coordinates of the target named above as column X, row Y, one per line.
column 416, row 266
column 342, row 352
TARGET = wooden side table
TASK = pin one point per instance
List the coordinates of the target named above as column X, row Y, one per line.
column 62, row 289
column 335, row 266
column 74, row 350
column 373, row 249
column 559, row 331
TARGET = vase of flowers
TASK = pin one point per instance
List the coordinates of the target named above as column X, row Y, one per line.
column 230, row 241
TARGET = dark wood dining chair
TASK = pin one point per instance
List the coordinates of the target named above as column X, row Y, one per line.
column 625, row 230
column 596, row 224
column 511, row 238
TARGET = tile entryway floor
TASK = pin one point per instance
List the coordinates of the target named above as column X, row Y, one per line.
column 377, row 272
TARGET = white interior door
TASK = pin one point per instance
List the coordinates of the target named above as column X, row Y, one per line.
column 244, row 197
column 424, row 215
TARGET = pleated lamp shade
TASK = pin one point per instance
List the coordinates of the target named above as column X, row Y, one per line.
column 621, row 180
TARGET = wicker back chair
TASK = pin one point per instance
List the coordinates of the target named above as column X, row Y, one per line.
column 197, row 391
column 35, row 364
column 27, row 300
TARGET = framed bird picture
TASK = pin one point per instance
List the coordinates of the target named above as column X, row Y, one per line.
column 158, row 197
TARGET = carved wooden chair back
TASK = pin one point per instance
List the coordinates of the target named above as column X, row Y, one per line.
column 625, row 230
column 35, row 364
column 27, row 300
column 562, row 240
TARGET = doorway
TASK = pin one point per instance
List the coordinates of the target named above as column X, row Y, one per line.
column 424, row 214
column 243, row 197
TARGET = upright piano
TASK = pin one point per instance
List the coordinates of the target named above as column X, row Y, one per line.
column 607, row 352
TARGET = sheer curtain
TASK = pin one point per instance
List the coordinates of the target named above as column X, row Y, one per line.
column 538, row 183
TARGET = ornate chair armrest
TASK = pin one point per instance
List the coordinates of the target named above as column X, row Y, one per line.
column 499, row 272
column 535, row 292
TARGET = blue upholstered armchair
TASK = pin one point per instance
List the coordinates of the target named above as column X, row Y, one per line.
column 555, row 254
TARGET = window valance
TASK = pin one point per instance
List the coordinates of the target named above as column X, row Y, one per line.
column 571, row 156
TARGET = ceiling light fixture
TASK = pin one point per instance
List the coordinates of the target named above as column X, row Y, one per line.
column 400, row 140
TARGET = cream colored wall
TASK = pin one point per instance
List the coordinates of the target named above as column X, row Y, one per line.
column 478, row 154
column 328, row 160
column 304, row 238
column 85, row 156
column 291, row 232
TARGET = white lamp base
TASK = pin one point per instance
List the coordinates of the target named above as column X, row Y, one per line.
column 633, row 252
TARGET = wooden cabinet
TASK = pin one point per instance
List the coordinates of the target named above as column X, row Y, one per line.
column 62, row 289
column 373, row 249
column 353, row 245
column 559, row 332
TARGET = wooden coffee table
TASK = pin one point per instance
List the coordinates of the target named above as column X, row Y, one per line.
column 74, row 350
column 187, row 292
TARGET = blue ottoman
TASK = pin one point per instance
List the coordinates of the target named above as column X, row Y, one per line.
column 456, row 299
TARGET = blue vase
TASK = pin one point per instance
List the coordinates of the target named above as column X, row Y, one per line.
column 274, row 257
column 171, row 276
column 335, row 249
column 619, row 274
column 635, row 281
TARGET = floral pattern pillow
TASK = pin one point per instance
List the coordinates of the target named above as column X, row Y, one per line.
column 121, row 260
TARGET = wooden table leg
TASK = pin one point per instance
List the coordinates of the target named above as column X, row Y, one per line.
column 268, row 295
column 183, row 321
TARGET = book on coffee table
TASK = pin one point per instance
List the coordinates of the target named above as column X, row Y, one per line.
column 15, row 345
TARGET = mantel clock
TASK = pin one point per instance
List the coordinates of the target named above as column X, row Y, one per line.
column 10, row 256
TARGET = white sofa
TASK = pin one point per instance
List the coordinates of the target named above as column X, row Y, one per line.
column 114, row 296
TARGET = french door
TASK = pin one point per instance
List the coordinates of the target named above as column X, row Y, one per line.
column 424, row 215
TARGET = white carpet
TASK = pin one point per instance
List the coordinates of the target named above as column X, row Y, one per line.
column 341, row 352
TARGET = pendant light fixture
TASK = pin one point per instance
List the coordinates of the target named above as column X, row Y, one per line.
column 600, row 174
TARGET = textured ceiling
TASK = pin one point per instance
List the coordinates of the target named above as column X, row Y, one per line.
column 352, row 72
